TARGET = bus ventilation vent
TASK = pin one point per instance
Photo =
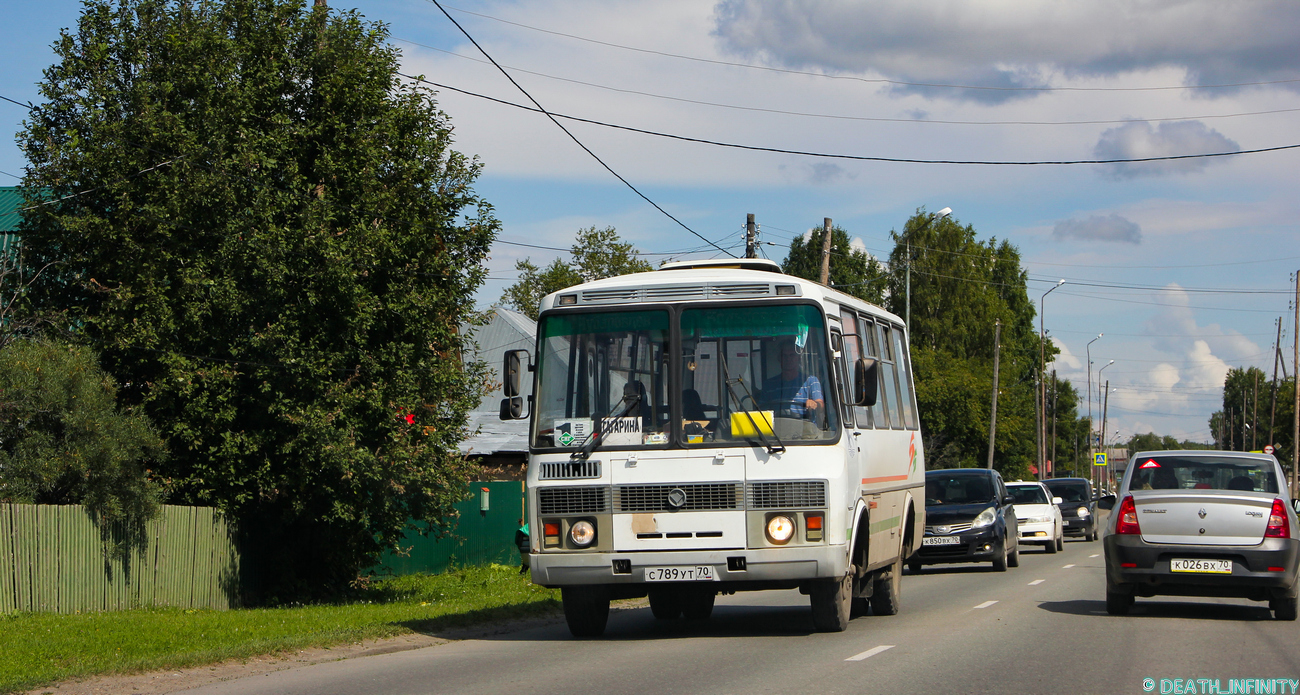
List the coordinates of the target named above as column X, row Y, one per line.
column 699, row 497
column 589, row 499
column 788, row 494
column 676, row 292
column 569, row 470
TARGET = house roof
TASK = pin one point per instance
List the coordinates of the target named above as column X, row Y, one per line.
column 11, row 201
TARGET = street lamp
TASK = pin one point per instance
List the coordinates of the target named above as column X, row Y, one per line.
column 1090, row 424
column 907, row 317
column 1099, row 371
column 1042, row 382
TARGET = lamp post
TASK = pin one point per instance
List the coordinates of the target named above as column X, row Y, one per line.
column 1102, row 431
column 1042, row 381
column 1089, row 351
column 907, row 315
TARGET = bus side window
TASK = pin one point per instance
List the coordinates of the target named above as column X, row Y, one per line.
column 889, row 378
column 903, row 363
column 871, row 346
column 851, row 352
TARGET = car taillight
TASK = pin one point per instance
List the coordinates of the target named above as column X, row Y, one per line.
column 1128, row 517
column 1278, row 524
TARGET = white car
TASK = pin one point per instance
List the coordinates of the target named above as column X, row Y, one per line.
column 1039, row 517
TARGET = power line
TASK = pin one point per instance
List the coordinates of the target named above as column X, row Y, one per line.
column 829, row 155
column 867, row 79
column 842, row 117
column 566, row 130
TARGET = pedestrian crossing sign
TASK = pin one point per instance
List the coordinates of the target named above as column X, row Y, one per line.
column 1099, row 459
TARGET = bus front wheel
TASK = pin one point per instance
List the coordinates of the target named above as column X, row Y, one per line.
column 832, row 603
column 586, row 609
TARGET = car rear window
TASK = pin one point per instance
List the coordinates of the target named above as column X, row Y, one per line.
column 1202, row 473
column 1069, row 492
column 958, row 489
column 1027, row 494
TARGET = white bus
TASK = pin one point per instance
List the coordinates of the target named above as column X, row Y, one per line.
column 713, row 427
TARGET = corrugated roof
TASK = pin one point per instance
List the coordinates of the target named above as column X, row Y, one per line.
column 10, row 202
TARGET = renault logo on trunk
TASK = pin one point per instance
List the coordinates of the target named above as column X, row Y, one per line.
column 1201, row 513
column 676, row 498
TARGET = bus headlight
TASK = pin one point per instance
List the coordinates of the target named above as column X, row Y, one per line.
column 582, row 533
column 780, row 529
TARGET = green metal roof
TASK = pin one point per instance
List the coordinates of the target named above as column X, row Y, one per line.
column 10, row 202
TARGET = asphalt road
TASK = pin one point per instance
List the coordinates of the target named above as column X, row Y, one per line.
column 1038, row 628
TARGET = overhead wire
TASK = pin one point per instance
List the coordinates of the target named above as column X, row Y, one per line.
column 561, row 126
column 843, row 117
column 851, row 157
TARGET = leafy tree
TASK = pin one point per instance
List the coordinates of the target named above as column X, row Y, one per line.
column 960, row 287
column 1247, row 405
column 1154, row 442
column 852, row 271
column 596, row 254
column 64, row 440
column 269, row 237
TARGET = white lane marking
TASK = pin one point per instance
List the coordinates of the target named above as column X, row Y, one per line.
column 870, row 652
column 986, row 604
column 1067, row 567
column 1094, row 555
column 1037, row 582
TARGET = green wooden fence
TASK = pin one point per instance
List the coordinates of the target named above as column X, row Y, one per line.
column 482, row 536
column 52, row 560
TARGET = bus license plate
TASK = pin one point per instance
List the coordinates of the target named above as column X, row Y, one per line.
column 941, row 540
column 698, row 573
column 1201, row 566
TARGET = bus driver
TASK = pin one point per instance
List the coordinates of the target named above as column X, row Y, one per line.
column 791, row 392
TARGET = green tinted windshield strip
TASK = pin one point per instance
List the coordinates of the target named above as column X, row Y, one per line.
column 754, row 321
column 603, row 322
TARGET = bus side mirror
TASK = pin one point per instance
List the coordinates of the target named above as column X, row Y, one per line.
column 510, row 369
column 512, row 408
column 866, row 376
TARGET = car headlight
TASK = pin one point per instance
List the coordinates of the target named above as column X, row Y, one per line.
column 1082, row 512
column 985, row 518
column 780, row 529
column 582, row 533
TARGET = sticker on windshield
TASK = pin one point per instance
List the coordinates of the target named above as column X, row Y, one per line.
column 571, row 432
column 623, row 431
column 801, row 336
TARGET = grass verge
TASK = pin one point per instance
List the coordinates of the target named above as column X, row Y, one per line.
column 41, row 648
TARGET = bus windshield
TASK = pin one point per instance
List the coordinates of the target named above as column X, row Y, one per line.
column 751, row 373
column 593, row 365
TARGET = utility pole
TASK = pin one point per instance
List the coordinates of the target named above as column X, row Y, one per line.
column 826, row 252
column 749, row 236
column 1105, row 408
column 1295, row 369
column 1254, row 414
column 993, row 418
column 1054, row 390
column 1272, row 409
column 1244, row 425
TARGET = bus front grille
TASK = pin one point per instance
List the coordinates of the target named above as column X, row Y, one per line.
column 788, row 494
column 692, row 497
column 587, row 499
column 568, row 470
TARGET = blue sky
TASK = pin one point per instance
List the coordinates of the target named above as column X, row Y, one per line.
column 1146, row 250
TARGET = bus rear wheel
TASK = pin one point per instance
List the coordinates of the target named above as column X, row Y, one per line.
column 665, row 603
column 887, row 593
column 697, row 603
column 586, row 609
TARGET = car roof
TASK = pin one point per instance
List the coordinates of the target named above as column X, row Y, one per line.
column 1049, row 481
column 962, row 471
column 1013, row 483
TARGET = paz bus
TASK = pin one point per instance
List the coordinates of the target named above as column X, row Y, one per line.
column 713, row 427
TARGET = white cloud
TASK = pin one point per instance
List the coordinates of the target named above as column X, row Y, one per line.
column 1140, row 140
column 1065, row 357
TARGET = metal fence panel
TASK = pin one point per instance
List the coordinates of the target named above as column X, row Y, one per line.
column 481, row 537
column 52, row 558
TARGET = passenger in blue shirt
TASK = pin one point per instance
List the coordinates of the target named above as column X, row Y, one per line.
column 791, row 392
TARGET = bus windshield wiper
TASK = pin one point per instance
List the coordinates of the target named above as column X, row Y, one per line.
column 779, row 447
column 594, row 439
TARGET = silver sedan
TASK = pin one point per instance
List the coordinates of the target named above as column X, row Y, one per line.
column 1202, row 523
